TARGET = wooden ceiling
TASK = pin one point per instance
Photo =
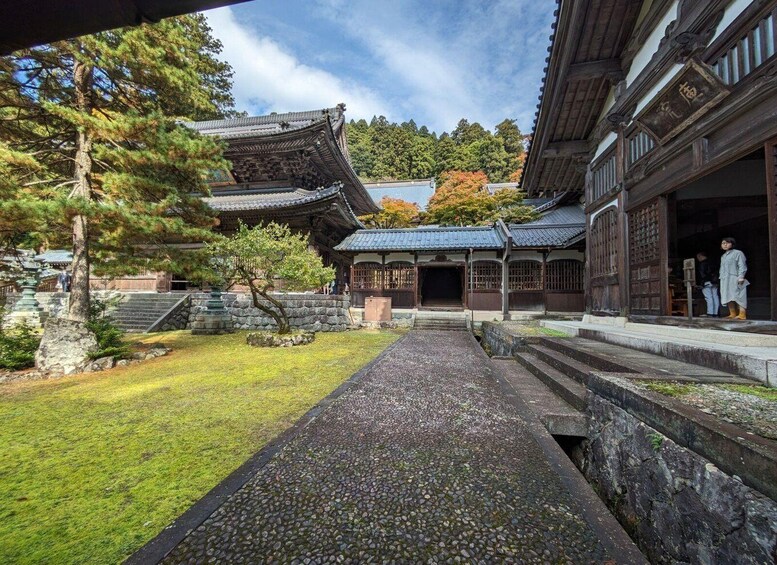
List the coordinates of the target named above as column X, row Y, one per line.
column 584, row 63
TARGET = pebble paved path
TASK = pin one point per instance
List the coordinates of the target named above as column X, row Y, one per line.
column 423, row 460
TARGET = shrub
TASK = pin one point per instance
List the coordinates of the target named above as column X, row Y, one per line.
column 110, row 338
column 18, row 347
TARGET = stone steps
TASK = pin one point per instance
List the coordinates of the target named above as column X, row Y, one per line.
column 565, row 387
column 450, row 321
column 139, row 312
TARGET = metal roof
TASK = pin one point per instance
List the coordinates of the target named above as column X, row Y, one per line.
column 418, row 191
column 424, row 239
column 268, row 198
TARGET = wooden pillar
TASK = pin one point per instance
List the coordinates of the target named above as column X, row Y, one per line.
column 663, row 255
column 416, row 300
column 506, row 286
column 543, row 281
column 771, row 199
column 623, row 225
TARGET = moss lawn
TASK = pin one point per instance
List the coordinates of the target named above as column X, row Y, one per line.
column 95, row 465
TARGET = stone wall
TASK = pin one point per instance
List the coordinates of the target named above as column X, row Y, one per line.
column 314, row 312
column 676, row 505
column 52, row 303
column 499, row 342
column 178, row 319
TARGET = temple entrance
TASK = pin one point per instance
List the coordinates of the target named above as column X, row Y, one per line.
column 441, row 287
column 730, row 202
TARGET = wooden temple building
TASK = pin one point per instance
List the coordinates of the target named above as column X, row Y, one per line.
column 494, row 271
column 289, row 168
column 663, row 115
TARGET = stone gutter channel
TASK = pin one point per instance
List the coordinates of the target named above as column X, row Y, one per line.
column 685, row 485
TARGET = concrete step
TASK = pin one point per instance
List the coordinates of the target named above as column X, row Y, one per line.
column 569, row 366
column 596, row 361
column 565, row 387
column 558, row 416
column 750, row 362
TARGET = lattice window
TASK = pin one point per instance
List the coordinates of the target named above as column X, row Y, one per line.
column 564, row 274
column 604, row 244
column 367, row 276
column 644, row 235
column 749, row 52
column 486, row 275
column 525, row 275
column 399, row 276
column 604, row 179
column 640, row 144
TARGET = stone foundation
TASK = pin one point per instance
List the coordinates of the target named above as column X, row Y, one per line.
column 676, row 505
column 499, row 342
column 312, row 312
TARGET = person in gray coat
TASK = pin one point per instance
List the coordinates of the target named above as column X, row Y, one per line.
column 733, row 285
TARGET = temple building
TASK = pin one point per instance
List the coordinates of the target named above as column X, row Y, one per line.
column 489, row 272
column 662, row 115
column 289, row 168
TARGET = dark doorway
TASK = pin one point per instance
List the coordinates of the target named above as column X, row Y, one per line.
column 441, row 287
column 730, row 202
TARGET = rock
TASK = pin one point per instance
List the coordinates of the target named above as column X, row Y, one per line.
column 122, row 362
column 262, row 339
column 65, row 347
column 103, row 363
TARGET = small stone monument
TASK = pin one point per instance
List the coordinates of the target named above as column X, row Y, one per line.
column 215, row 319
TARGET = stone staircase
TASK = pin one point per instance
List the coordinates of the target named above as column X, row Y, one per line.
column 440, row 320
column 138, row 312
column 561, row 366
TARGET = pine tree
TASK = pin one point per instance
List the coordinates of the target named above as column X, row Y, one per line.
column 115, row 170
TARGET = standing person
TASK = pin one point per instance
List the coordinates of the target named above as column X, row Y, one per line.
column 64, row 280
column 733, row 285
column 708, row 279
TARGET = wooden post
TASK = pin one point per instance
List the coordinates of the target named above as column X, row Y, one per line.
column 771, row 200
column 416, row 300
column 663, row 255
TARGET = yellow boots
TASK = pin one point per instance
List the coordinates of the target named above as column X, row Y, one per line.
column 732, row 312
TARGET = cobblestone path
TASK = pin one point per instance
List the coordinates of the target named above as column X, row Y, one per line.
column 423, row 460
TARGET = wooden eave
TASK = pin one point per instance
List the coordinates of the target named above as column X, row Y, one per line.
column 308, row 157
column 584, row 62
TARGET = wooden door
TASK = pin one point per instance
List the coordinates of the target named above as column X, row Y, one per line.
column 603, row 245
column 647, row 268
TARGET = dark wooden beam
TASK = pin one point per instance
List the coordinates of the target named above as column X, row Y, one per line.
column 770, row 148
column 566, row 149
column 596, row 69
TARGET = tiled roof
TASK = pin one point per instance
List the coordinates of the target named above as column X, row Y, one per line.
column 563, row 215
column 423, row 239
column 560, row 227
column 55, row 256
column 269, row 198
column 543, row 236
column 264, row 125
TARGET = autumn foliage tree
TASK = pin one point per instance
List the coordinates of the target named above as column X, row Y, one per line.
column 463, row 200
column 394, row 213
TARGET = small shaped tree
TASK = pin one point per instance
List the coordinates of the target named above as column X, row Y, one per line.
column 261, row 256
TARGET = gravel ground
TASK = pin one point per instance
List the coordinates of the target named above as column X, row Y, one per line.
column 754, row 414
column 422, row 461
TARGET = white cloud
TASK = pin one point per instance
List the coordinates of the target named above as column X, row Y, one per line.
column 268, row 78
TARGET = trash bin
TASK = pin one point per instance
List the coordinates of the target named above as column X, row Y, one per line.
column 377, row 309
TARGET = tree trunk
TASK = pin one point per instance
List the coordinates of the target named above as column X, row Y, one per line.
column 280, row 317
column 78, row 308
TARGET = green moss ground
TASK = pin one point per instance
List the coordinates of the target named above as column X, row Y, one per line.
column 93, row 466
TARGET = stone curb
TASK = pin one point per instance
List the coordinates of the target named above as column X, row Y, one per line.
column 160, row 546
column 596, row 514
column 729, row 447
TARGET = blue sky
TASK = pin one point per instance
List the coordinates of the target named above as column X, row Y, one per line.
column 433, row 61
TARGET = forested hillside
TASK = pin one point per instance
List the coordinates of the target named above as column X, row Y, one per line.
column 381, row 150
